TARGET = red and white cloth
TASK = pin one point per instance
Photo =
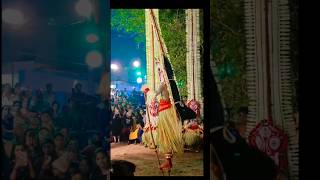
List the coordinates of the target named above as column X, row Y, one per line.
column 270, row 140
column 153, row 108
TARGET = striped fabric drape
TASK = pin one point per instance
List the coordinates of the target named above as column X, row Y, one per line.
column 194, row 67
column 275, row 33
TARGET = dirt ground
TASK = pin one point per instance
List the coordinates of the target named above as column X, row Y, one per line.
column 145, row 159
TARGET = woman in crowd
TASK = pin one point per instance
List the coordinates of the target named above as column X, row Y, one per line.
column 126, row 126
column 22, row 166
column 116, row 125
column 103, row 165
column 44, row 162
column 85, row 167
column 134, row 131
column 31, row 144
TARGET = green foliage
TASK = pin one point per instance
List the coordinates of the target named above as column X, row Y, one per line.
column 173, row 28
column 172, row 24
column 131, row 21
column 227, row 37
column 228, row 47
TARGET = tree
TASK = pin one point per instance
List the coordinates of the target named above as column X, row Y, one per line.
column 227, row 37
column 173, row 28
column 130, row 21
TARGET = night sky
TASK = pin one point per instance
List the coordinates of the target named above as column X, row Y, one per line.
column 123, row 51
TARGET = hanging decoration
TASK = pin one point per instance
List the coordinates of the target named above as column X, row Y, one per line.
column 272, row 141
column 194, row 69
column 269, row 81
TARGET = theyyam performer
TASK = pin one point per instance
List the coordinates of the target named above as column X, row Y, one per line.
column 169, row 127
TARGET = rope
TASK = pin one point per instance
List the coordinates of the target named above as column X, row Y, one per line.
column 160, row 42
column 162, row 55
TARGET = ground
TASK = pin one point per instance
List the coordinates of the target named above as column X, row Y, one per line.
column 145, row 159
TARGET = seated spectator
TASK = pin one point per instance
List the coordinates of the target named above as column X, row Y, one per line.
column 103, row 165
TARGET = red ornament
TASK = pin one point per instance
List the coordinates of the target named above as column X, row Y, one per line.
column 146, row 90
column 194, row 126
column 195, row 106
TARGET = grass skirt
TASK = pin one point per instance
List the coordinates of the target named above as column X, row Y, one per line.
column 191, row 138
column 169, row 133
column 147, row 139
